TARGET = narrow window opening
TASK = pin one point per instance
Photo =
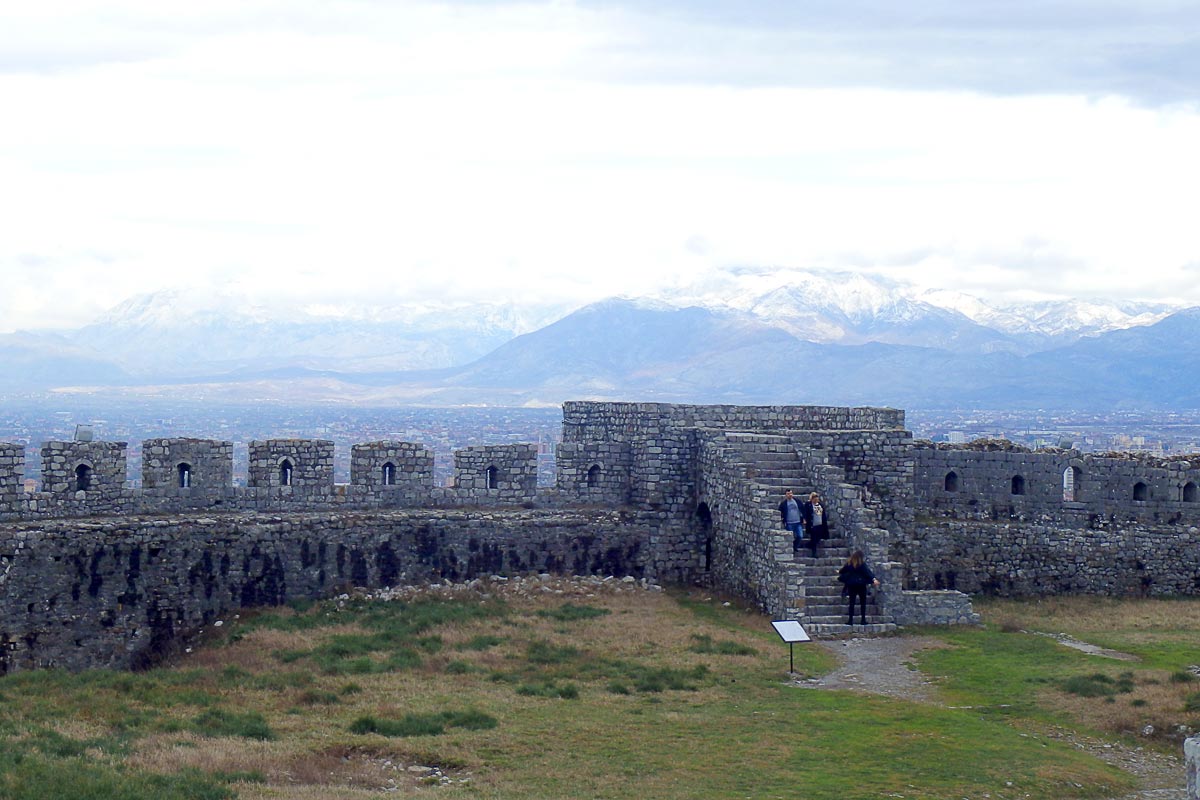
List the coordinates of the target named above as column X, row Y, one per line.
column 951, row 482
column 1141, row 491
column 285, row 473
column 185, row 476
column 706, row 523
column 491, row 478
column 1018, row 484
column 1189, row 492
column 593, row 475
column 389, row 474
column 1072, row 478
column 83, row 478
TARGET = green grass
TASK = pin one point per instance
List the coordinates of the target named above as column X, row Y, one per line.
column 1098, row 684
column 390, row 640
column 30, row 777
column 569, row 612
column 424, row 724
column 684, row 698
column 218, row 722
column 703, row 643
column 482, row 642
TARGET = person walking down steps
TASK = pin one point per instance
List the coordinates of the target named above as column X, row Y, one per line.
column 793, row 519
column 856, row 576
column 816, row 522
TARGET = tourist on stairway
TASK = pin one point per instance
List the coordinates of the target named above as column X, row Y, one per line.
column 793, row 520
column 816, row 521
column 857, row 576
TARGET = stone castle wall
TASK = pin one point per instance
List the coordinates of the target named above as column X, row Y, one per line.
column 987, row 484
column 12, row 471
column 743, row 549
column 590, row 422
column 1010, row 558
column 1002, row 522
column 505, row 474
column 392, row 473
column 649, row 489
column 120, row 592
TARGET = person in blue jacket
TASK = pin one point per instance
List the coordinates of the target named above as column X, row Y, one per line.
column 792, row 514
column 856, row 576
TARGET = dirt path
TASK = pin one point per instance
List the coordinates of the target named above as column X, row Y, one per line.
column 884, row 665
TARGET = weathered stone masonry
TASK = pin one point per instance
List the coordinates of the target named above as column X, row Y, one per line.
column 1015, row 522
column 93, row 572
column 118, row 592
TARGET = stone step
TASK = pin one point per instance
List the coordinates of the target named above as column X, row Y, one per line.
column 754, row 437
column 821, row 618
column 821, row 630
column 826, row 594
column 760, row 448
column 837, row 609
column 826, row 556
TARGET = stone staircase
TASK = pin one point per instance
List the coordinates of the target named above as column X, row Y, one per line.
column 771, row 464
column 825, row 608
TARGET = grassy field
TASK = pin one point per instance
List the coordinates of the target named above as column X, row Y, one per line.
column 588, row 690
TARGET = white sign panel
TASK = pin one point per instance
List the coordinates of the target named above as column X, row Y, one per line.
column 790, row 631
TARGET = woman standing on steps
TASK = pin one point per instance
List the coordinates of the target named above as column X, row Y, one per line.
column 816, row 523
column 856, row 576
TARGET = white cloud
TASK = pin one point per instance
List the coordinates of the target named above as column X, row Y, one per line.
column 320, row 151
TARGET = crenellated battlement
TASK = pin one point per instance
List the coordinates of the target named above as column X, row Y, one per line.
column 95, row 570
column 1064, row 485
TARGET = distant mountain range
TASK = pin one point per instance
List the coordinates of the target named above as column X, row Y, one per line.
column 819, row 338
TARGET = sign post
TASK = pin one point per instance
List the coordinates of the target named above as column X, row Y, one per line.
column 791, row 632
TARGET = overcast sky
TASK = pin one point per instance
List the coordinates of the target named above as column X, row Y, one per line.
column 389, row 151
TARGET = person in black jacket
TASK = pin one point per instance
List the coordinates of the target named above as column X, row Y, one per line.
column 856, row 576
column 816, row 521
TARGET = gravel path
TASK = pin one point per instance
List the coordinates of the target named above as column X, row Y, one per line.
column 884, row 665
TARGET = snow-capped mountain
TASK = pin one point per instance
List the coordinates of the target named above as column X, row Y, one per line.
column 177, row 334
column 753, row 338
column 855, row 308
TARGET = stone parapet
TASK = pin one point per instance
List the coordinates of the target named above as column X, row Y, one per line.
column 1057, row 484
column 291, row 466
column 391, row 466
column 177, row 466
column 12, row 471
column 121, row 592
column 496, row 474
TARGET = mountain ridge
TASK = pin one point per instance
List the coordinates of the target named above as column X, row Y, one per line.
column 876, row 343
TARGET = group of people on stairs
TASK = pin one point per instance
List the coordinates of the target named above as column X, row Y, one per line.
column 808, row 519
column 805, row 519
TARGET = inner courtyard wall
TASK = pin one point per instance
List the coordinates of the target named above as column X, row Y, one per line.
column 642, row 489
column 121, row 592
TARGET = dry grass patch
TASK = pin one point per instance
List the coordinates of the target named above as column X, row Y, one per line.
column 1082, row 614
column 289, row 766
column 253, row 651
column 1154, row 700
column 167, row 753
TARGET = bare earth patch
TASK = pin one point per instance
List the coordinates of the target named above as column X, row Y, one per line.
column 883, row 666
